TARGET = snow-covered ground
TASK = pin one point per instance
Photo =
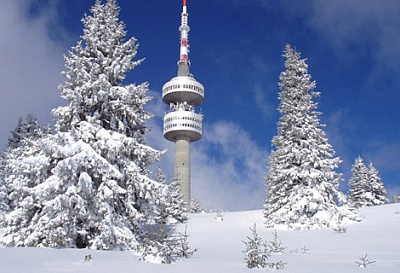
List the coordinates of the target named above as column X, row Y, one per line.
column 220, row 248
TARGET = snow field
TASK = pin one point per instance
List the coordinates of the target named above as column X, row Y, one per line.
column 220, row 248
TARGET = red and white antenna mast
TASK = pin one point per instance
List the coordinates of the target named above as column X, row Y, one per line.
column 184, row 63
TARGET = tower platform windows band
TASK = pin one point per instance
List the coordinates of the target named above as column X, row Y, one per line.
column 183, row 124
column 183, row 88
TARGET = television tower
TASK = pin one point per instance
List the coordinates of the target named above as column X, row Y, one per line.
column 182, row 124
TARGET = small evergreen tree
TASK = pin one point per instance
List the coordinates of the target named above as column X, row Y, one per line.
column 195, row 206
column 171, row 201
column 366, row 187
column 256, row 253
column 276, row 245
column 302, row 184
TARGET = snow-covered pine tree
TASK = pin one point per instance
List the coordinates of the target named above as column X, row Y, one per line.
column 358, row 184
column 177, row 206
column 171, row 201
column 17, row 134
column 366, row 187
column 99, row 193
column 302, row 184
column 378, row 190
column 26, row 164
column 28, row 128
column 21, row 142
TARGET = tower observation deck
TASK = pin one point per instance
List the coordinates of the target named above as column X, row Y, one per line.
column 182, row 124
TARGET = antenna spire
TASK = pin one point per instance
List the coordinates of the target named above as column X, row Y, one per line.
column 184, row 63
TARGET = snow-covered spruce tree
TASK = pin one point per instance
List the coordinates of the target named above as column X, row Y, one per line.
column 378, row 190
column 99, row 193
column 358, row 183
column 28, row 128
column 26, row 167
column 302, row 184
column 170, row 201
column 25, row 164
column 19, row 143
column 366, row 187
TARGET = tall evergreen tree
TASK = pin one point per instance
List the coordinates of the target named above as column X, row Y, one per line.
column 302, row 184
column 366, row 187
column 98, row 192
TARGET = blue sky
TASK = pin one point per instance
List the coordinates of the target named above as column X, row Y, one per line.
column 352, row 49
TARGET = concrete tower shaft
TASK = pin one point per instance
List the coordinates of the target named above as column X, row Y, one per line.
column 182, row 124
column 182, row 166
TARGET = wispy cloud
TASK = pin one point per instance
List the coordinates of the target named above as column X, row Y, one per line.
column 359, row 28
column 266, row 107
column 386, row 157
column 228, row 168
column 30, row 65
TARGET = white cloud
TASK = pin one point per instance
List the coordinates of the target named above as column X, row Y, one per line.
column 30, row 65
column 228, row 168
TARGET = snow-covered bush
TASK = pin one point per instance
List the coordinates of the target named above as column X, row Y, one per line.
column 164, row 245
column 195, row 206
column 219, row 216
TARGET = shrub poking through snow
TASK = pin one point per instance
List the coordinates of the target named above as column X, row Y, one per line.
column 219, row 216
column 276, row 245
column 364, row 261
column 256, row 253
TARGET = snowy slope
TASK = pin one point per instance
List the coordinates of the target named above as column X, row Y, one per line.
column 220, row 248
